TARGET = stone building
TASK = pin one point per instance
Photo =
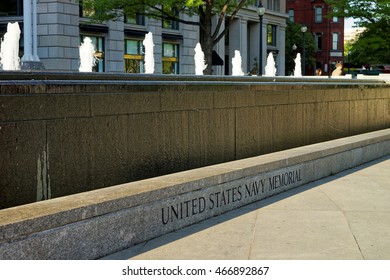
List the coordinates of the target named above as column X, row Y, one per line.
column 61, row 26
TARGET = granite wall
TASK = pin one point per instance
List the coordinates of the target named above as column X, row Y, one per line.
column 60, row 137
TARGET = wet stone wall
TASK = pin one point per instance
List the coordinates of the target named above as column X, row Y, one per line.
column 64, row 136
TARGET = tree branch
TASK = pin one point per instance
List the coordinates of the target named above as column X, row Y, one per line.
column 229, row 21
column 165, row 16
column 221, row 18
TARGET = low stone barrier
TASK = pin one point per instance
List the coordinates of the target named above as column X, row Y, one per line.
column 68, row 133
column 93, row 224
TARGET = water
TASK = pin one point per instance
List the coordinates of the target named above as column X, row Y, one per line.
column 199, row 60
column 298, row 66
column 87, row 55
column 9, row 52
column 270, row 68
column 237, row 64
column 149, row 56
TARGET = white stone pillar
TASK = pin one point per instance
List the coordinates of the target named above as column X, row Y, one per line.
column 244, row 44
column 27, row 30
column 35, row 31
column 282, row 50
column 264, row 44
column 235, row 39
column 30, row 59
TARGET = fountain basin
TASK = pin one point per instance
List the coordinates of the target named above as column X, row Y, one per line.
column 66, row 133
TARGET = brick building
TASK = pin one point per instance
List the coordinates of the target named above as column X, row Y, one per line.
column 328, row 32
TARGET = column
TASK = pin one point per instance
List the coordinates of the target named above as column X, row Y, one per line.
column 281, row 39
column 27, row 30
column 30, row 59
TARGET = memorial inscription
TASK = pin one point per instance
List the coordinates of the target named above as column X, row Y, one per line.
column 250, row 191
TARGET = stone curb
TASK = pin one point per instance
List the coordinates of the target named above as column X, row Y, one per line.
column 93, row 224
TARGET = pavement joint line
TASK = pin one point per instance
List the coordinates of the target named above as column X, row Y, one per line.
column 354, row 236
column 253, row 234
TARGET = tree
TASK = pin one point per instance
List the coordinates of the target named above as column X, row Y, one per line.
column 294, row 37
column 367, row 11
column 373, row 45
column 210, row 35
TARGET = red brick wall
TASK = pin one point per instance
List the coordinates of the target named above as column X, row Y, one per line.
column 305, row 14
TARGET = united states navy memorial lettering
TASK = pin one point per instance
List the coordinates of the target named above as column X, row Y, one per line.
column 247, row 192
column 92, row 164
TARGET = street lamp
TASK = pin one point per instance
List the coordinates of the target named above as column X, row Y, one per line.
column 303, row 29
column 294, row 47
column 261, row 12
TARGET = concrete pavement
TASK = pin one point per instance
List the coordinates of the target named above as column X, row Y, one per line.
column 345, row 216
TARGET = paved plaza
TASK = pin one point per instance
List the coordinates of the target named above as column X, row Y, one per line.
column 345, row 216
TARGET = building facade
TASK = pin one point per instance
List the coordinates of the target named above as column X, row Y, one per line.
column 244, row 35
column 328, row 32
column 61, row 26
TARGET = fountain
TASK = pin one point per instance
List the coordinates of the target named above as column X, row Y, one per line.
column 87, row 55
column 199, row 60
column 149, row 56
column 298, row 67
column 9, row 52
column 270, row 69
column 236, row 62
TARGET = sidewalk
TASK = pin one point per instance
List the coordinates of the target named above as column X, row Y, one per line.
column 346, row 216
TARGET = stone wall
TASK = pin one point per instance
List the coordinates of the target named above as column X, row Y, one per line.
column 64, row 136
column 98, row 223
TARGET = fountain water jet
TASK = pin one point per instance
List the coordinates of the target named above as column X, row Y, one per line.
column 236, row 62
column 149, row 56
column 9, row 52
column 87, row 55
column 298, row 67
column 199, row 60
column 270, row 68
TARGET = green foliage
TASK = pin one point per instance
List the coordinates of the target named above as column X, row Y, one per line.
column 367, row 11
column 169, row 9
column 373, row 45
column 294, row 36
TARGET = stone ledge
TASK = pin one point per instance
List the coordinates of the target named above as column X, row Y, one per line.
column 93, row 224
column 46, row 75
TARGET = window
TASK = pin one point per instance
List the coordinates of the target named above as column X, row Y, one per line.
column 171, row 24
column 134, row 58
column 86, row 10
column 271, row 35
column 291, row 15
column 273, row 5
column 11, row 8
column 335, row 44
column 170, row 58
column 318, row 40
column 98, row 43
column 318, row 14
column 335, row 18
column 138, row 20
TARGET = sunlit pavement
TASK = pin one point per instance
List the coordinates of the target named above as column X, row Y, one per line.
column 346, row 216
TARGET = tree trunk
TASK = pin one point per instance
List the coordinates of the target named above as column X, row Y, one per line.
column 206, row 39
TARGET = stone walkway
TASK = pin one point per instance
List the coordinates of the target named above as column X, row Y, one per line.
column 346, row 216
